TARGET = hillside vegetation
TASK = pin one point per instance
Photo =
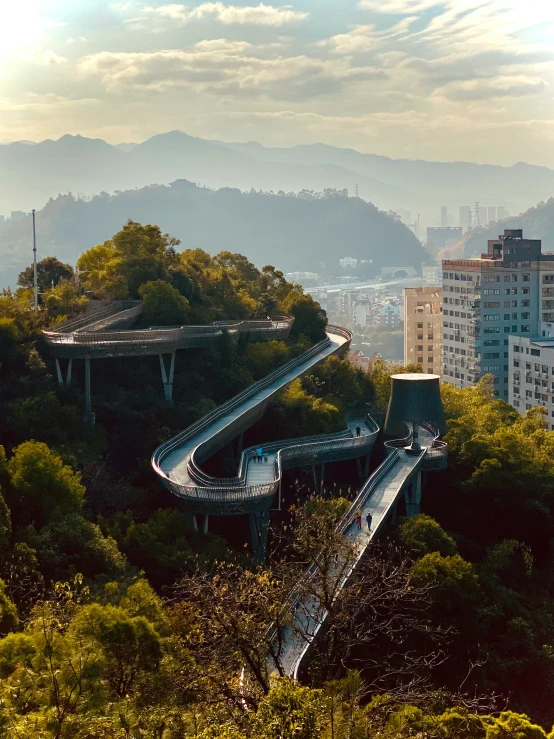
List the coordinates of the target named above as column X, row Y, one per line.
column 305, row 230
column 119, row 621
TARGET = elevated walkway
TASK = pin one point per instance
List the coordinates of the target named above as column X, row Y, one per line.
column 398, row 476
column 178, row 461
column 105, row 332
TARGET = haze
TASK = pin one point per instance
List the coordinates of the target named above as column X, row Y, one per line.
column 460, row 79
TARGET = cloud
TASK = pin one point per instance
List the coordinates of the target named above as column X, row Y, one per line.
column 489, row 89
column 43, row 57
column 224, row 67
column 253, row 15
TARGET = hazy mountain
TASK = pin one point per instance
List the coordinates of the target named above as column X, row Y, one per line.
column 297, row 233
column 29, row 175
column 537, row 223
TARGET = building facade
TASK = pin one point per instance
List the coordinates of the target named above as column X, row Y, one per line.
column 389, row 316
column 531, row 383
column 485, row 301
column 423, row 328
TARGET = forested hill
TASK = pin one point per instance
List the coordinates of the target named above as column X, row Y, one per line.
column 537, row 223
column 302, row 230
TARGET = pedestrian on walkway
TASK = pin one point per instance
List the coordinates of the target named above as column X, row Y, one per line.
column 259, row 453
column 369, row 519
column 358, row 430
column 359, row 520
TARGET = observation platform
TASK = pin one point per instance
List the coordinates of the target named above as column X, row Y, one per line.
column 105, row 333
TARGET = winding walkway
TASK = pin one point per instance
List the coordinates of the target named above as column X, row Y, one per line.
column 397, row 476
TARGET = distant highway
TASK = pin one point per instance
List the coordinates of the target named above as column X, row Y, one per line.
column 362, row 285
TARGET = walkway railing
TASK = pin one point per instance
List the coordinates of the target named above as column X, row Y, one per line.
column 88, row 332
column 209, row 489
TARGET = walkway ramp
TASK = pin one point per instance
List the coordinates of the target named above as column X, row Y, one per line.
column 378, row 496
column 178, row 461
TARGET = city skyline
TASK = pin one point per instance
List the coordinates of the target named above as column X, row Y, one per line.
column 397, row 78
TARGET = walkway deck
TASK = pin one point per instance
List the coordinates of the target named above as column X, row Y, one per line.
column 377, row 497
column 174, row 460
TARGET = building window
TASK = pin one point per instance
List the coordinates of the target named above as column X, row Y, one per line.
column 525, row 316
column 420, row 360
column 526, row 277
column 506, row 278
column 525, row 329
column 429, row 360
column 492, row 330
column 506, row 316
column 492, row 317
column 494, row 304
column 419, row 325
column 514, row 278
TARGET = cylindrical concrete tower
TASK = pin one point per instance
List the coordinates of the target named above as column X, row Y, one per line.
column 415, row 399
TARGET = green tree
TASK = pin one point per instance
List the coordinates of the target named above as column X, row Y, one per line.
column 41, row 484
column 265, row 356
column 8, row 612
column 163, row 305
column 50, row 272
column 291, row 711
column 309, row 318
column 455, row 588
column 129, row 645
column 424, row 535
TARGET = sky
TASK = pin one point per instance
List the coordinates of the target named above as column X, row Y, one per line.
column 421, row 79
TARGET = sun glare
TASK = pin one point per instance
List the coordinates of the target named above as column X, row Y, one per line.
column 21, row 25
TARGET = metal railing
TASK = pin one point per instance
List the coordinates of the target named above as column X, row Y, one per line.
column 234, row 489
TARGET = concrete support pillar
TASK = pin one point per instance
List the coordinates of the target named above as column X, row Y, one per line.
column 239, row 446
column 167, row 378
column 366, row 468
column 206, row 519
column 194, row 523
column 89, row 415
column 68, row 376
column 59, row 372
column 394, row 514
column 259, row 522
column 359, row 464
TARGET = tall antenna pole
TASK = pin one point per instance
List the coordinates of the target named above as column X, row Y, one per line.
column 35, row 280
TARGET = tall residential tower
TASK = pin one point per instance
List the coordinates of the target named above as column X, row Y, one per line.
column 485, row 300
column 423, row 328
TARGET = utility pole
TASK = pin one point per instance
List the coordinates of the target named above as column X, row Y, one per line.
column 35, row 280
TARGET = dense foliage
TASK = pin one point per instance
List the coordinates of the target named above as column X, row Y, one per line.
column 118, row 620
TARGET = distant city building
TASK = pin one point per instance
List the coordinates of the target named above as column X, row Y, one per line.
column 423, row 328
column 348, row 262
column 444, row 216
column 17, row 215
column 388, row 316
column 501, row 212
column 443, row 236
column 491, row 214
column 363, row 310
column 487, row 299
column 465, row 220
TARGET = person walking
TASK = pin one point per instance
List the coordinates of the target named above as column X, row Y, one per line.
column 259, row 453
column 359, row 520
column 369, row 519
column 358, row 430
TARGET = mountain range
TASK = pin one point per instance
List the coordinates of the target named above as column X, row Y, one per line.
column 31, row 173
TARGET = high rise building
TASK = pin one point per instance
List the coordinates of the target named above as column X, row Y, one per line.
column 465, row 217
column 491, row 213
column 443, row 236
column 423, row 328
column 501, row 212
column 444, row 216
column 485, row 300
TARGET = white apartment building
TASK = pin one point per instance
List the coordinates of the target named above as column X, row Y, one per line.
column 485, row 301
column 532, row 374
